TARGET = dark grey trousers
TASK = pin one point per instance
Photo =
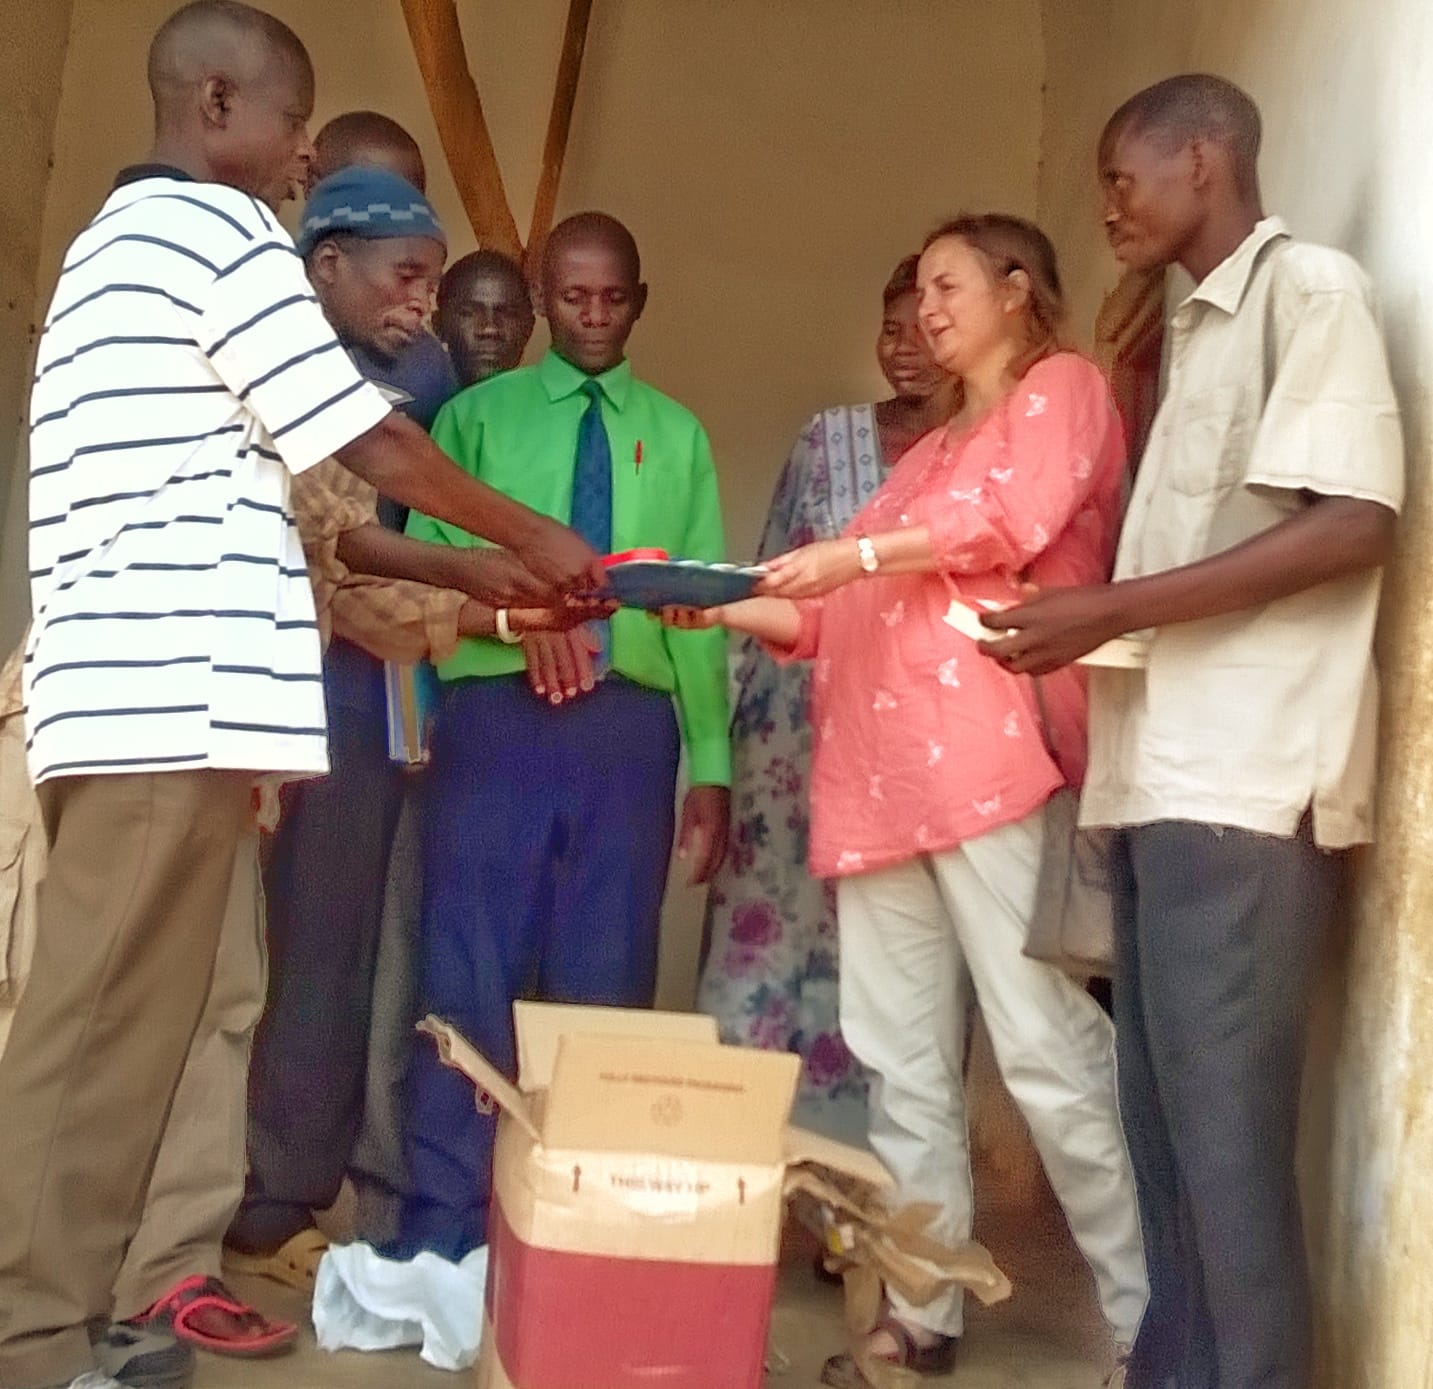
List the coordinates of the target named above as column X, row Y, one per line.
column 1219, row 934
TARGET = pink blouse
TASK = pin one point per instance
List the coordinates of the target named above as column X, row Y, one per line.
column 922, row 742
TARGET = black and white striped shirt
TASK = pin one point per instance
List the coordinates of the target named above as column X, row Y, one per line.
column 185, row 372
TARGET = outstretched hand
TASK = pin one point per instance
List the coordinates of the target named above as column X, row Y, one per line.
column 691, row 619
column 813, row 570
column 560, row 557
column 500, row 579
column 1053, row 628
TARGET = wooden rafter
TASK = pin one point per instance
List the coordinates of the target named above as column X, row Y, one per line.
column 559, row 124
column 458, row 112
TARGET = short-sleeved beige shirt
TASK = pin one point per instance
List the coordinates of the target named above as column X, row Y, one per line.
column 1278, row 387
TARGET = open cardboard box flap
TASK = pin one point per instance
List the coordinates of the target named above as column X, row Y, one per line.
column 541, row 1026
column 591, row 1109
column 807, row 1149
column 493, row 1087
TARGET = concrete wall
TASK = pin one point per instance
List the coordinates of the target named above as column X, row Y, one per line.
column 1348, row 104
column 774, row 160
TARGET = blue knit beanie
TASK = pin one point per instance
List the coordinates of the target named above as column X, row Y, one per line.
column 370, row 203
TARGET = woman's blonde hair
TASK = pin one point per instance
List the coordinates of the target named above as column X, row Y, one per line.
column 1007, row 244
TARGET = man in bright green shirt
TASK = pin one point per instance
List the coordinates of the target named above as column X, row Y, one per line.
column 549, row 812
column 518, row 434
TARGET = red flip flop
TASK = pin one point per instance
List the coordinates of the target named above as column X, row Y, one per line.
column 177, row 1308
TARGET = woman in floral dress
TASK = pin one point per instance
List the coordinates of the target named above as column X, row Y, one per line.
column 770, row 972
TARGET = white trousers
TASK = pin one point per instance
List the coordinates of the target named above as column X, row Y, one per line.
column 915, row 939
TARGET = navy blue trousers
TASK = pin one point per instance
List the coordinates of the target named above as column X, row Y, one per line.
column 547, row 834
column 324, row 885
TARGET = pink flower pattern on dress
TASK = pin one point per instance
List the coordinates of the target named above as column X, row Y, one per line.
column 755, row 923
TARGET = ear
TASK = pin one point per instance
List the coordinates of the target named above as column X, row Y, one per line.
column 216, row 100
column 323, row 263
column 1019, row 283
column 639, row 302
column 1200, row 154
column 537, row 297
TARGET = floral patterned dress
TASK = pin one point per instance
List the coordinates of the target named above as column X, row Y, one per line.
column 770, row 975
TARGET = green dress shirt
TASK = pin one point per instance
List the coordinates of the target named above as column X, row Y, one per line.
column 518, row 433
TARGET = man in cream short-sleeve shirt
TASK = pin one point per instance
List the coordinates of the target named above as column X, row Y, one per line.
column 1237, row 764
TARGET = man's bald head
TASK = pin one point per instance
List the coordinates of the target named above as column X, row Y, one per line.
column 594, row 230
column 233, row 91
column 369, row 140
column 219, row 38
column 592, row 291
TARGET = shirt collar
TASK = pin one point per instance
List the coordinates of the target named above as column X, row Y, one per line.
column 561, row 379
column 1225, row 285
column 134, row 173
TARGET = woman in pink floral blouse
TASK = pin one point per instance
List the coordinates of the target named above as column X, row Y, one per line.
column 931, row 767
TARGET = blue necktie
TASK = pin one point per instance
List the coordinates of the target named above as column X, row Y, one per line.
column 592, row 494
column 592, row 475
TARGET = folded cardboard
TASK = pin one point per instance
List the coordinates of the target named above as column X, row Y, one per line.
column 640, row 1179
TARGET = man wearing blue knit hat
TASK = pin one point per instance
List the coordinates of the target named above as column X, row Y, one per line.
column 369, row 222
column 374, row 252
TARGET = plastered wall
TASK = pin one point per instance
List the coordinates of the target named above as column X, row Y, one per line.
column 1348, row 105
column 32, row 59
column 774, row 159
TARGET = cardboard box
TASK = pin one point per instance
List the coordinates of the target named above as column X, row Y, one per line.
column 640, row 1180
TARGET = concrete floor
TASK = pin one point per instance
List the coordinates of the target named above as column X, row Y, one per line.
column 1047, row 1336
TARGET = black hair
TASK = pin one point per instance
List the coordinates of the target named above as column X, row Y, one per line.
column 1195, row 106
column 475, row 263
column 902, row 281
column 346, row 138
column 590, row 227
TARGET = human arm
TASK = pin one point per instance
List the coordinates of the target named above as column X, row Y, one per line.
column 775, row 621
column 698, row 658
column 1332, row 538
column 783, row 527
column 824, row 565
column 1047, row 449
column 402, row 462
column 266, row 338
column 699, row 666
column 490, row 575
column 1328, row 447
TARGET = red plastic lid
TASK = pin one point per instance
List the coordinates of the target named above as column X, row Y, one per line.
column 626, row 556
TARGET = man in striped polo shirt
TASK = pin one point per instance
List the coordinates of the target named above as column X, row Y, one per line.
column 184, row 374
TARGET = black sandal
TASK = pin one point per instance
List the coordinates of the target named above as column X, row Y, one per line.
column 842, row 1371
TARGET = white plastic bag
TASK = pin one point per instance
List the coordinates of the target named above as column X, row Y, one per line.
column 364, row 1302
